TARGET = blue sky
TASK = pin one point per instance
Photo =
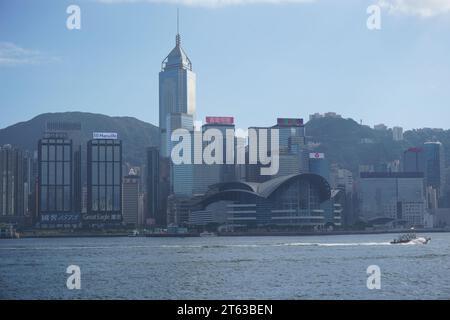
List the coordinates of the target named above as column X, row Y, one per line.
column 255, row 59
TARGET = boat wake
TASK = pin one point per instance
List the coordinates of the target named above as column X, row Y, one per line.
column 418, row 241
column 342, row 244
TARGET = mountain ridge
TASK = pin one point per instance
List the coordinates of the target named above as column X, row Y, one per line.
column 344, row 141
column 135, row 134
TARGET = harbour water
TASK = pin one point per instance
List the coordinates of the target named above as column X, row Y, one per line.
column 315, row 267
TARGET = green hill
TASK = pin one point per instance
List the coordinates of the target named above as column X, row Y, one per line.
column 135, row 134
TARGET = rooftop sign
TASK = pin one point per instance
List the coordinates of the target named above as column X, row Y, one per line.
column 219, row 120
column 105, row 135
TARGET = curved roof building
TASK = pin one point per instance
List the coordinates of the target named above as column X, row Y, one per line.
column 295, row 200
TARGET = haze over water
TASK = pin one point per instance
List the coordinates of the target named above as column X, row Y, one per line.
column 326, row 267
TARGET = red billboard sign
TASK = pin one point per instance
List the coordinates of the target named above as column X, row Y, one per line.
column 220, row 120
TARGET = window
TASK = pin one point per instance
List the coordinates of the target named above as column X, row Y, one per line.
column 117, row 173
column 59, row 173
column 116, row 199
column 51, row 198
column 59, row 198
column 101, row 153
column 51, row 153
column 102, row 198
column 44, row 173
column 94, row 173
column 66, row 198
column 51, row 172
column 109, row 153
column 109, row 198
column 102, row 173
column 59, row 153
column 95, row 198
column 44, row 198
column 109, row 173
column 94, row 153
column 66, row 173
column 117, row 152
column 66, row 153
column 44, row 154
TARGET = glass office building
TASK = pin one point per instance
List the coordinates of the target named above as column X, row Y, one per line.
column 176, row 90
column 208, row 174
column 181, row 175
column 12, row 180
column 398, row 196
column 153, row 188
column 318, row 164
column 55, row 182
column 434, row 165
column 104, row 182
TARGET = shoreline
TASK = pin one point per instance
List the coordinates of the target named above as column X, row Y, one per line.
column 34, row 235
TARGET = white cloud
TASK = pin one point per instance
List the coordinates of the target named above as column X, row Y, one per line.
column 13, row 55
column 211, row 3
column 421, row 8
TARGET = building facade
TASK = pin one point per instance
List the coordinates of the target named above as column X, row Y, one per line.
column 205, row 174
column 434, row 165
column 104, row 183
column 130, row 200
column 56, row 182
column 396, row 197
column 284, row 203
column 414, row 160
column 13, row 195
column 318, row 164
column 181, row 175
column 153, row 215
column 177, row 87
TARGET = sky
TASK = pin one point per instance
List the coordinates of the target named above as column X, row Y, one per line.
column 255, row 60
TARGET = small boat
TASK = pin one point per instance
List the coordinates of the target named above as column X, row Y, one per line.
column 208, row 234
column 135, row 233
column 411, row 238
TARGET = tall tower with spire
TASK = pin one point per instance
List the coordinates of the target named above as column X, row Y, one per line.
column 177, row 86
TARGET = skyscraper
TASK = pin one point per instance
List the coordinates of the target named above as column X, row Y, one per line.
column 395, row 195
column 130, row 199
column 397, row 133
column 434, row 165
column 208, row 174
column 318, row 164
column 12, row 185
column 77, row 180
column 176, row 89
column 153, row 188
column 104, row 161
column 181, row 175
column 55, row 186
column 414, row 160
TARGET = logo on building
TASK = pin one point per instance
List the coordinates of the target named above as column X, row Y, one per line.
column 317, row 155
column 105, row 135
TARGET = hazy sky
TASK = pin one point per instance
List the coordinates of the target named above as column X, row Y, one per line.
column 255, row 59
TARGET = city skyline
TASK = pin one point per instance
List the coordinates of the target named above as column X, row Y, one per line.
column 353, row 83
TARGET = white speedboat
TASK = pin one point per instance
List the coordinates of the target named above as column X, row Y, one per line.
column 411, row 238
column 134, row 233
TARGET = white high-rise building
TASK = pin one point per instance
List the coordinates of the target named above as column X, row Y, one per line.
column 397, row 133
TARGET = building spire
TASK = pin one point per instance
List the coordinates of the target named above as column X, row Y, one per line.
column 178, row 38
